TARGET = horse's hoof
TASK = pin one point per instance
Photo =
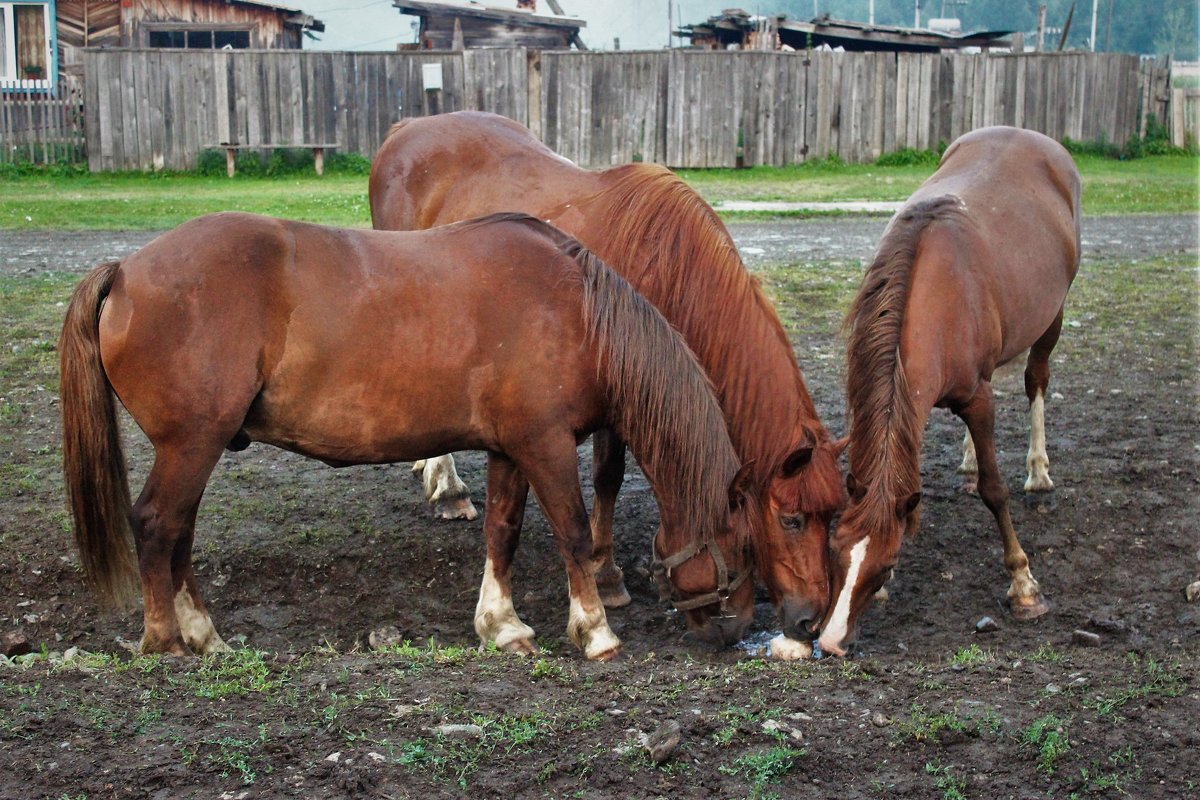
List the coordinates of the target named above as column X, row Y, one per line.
column 614, row 596
column 969, row 487
column 606, row 655
column 457, row 508
column 1041, row 502
column 1031, row 608
column 521, row 647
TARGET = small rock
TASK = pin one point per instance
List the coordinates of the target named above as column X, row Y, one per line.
column 1085, row 638
column 385, row 637
column 459, row 731
column 986, row 625
column 334, row 757
column 661, row 744
column 377, row 757
column 15, row 644
column 1053, row 688
column 773, row 726
column 1193, row 591
column 879, row 720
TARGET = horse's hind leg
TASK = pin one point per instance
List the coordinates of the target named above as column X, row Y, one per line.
column 1024, row 595
column 194, row 621
column 496, row 619
column 552, row 470
column 969, row 468
column 1037, row 378
column 163, row 522
column 608, row 472
column 445, row 491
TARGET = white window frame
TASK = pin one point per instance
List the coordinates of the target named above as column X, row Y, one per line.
column 10, row 79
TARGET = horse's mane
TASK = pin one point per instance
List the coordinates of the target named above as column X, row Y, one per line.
column 885, row 433
column 678, row 253
column 662, row 403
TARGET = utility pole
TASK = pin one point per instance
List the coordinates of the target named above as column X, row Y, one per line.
column 871, row 12
column 917, row 22
column 1095, row 5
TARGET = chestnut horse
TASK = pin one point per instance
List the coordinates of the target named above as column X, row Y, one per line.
column 666, row 241
column 235, row 328
column 972, row 272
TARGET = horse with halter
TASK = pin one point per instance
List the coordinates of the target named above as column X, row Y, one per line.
column 235, row 328
column 970, row 273
column 670, row 245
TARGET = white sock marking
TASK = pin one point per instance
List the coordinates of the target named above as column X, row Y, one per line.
column 495, row 616
column 197, row 628
column 1037, row 462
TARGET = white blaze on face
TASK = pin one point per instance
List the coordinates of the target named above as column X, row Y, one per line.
column 839, row 621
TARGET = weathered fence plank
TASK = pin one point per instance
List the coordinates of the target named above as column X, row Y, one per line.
column 150, row 109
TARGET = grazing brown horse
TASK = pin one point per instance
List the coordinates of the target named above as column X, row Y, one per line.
column 666, row 241
column 235, row 328
column 971, row 272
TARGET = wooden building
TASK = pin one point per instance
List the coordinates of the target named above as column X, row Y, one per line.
column 37, row 51
column 451, row 25
column 737, row 29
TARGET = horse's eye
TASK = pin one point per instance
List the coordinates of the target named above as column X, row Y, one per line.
column 792, row 522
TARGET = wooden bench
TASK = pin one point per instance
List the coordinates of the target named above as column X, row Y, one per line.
column 231, row 148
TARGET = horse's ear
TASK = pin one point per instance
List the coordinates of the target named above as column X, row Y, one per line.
column 855, row 491
column 797, row 460
column 739, row 489
column 906, row 505
column 839, row 446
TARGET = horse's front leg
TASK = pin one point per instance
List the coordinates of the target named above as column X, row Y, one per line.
column 552, row 469
column 608, row 472
column 496, row 618
column 444, row 490
column 1024, row 595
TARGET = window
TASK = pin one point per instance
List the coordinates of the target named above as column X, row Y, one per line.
column 199, row 39
column 25, row 45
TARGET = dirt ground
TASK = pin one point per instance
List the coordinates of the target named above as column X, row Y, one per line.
column 300, row 563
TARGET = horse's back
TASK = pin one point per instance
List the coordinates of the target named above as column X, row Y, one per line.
column 305, row 334
column 1019, row 187
column 434, row 170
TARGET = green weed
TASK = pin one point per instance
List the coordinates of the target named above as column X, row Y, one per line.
column 951, row 786
column 765, row 767
column 924, row 726
column 1048, row 736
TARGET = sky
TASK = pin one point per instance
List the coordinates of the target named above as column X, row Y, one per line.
column 377, row 25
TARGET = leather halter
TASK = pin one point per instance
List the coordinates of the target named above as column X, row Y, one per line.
column 661, row 568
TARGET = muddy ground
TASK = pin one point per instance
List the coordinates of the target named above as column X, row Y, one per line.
column 301, row 563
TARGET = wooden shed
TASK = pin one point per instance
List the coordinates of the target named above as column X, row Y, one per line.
column 189, row 24
column 735, row 28
column 453, row 25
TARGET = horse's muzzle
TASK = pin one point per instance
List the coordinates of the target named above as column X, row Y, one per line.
column 721, row 631
column 799, row 619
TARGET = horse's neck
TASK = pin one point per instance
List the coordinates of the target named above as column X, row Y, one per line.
column 723, row 315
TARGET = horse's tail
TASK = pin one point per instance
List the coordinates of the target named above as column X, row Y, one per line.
column 93, row 462
column 662, row 403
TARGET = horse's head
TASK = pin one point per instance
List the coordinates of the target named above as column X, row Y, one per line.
column 710, row 577
column 792, row 550
column 864, row 549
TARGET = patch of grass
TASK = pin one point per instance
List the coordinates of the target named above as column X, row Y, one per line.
column 1048, row 737
column 74, row 200
column 971, row 656
column 951, row 786
column 925, row 726
column 241, row 672
column 231, row 754
column 764, row 767
column 1046, row 654
column 1154, row 679
column 460, row 758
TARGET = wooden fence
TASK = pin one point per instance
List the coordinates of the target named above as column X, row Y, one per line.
column 40, row 129
column 154, row 109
